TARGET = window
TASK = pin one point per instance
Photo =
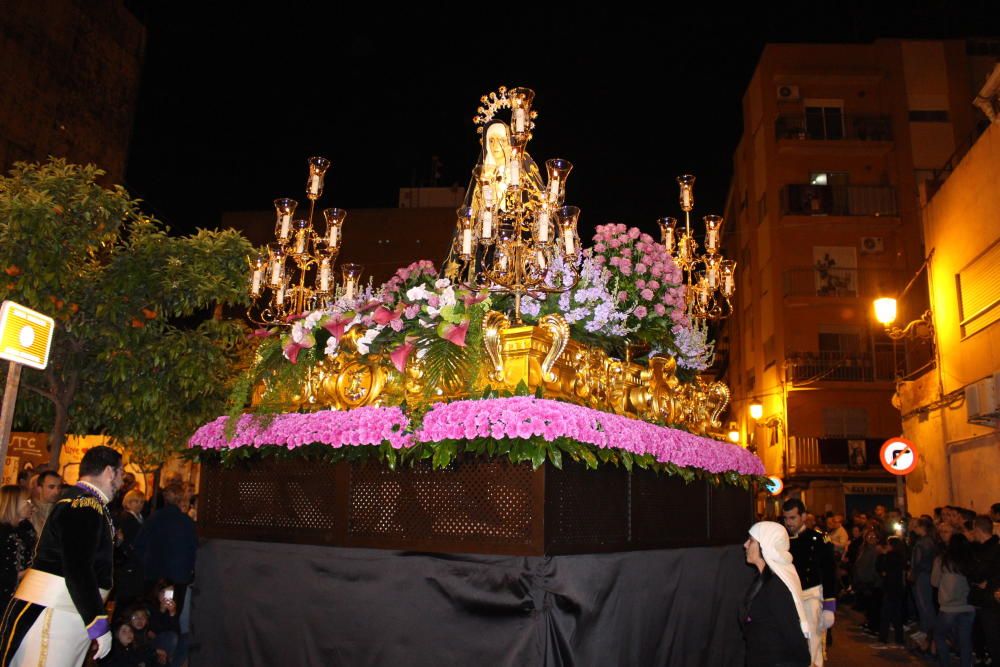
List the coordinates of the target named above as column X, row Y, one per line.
column 845, row 422
column 769, row 352
column 928, row 116
column 828, row 178
column 835, row 270
column 825, row 119
column 979, row 291
column 839, row 344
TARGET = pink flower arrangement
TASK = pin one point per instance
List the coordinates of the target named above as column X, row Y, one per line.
column 521, row 417
column 368, row 425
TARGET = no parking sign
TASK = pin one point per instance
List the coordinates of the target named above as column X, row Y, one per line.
column 898, row 456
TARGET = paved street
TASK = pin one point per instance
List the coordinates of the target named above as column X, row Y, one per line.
column 854, row 648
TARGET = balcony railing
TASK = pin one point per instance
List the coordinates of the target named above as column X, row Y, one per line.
column 833, row 455
column 833, row 281
column 851, row 128
column 841, row 367
column 869, row 200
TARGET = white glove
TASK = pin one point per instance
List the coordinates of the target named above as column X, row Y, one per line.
column 827, row 620
column 103, row 645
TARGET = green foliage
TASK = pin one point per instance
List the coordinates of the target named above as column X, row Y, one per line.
column 136, row 353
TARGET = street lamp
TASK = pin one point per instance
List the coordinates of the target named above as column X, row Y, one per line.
column 885, row 313
column 756, row 411
column 734, row 433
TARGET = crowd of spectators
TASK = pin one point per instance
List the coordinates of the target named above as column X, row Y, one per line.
column 934, row 579
column 155, row 546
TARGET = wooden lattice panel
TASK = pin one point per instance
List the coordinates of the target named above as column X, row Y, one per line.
column 469, row 501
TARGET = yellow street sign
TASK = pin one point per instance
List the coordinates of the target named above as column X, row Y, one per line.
column 25, row 335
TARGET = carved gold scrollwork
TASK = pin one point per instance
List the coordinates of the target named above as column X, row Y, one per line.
column 360, row 384
column 718, row 398
column 493, row 325
column 558, row 328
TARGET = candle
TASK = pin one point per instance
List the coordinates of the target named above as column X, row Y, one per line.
column 519, row 120
column 554, row 189
column 543, row 226
column 277, row 270
column 712, row 240
column 349, row 288
column 258, row 278
column 713, row 276
column 686, row 198
column 279, row 296
column 488, row 195
column 487, row 220
column 300, row 241
column 569, row 241
column 541, row 260
column 514, row 171
column 728, row 284
column 324, row 276
column 286, row 223
column 466, row 241
column 668, row 240
column 315, row 184
column 334, row 236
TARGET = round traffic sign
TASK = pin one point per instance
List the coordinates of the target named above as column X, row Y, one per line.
column 774, row 486
column 898, row 456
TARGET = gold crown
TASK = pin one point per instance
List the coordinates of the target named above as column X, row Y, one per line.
column 493, row 103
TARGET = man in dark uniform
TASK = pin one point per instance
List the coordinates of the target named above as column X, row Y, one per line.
column 58, row 608
column 812, row 556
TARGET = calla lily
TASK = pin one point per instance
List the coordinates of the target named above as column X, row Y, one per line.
column 473, row 298
column 292, row 349
column 371, row 305
column 262, row 333
column 383, row 315
column 454, row 333
column 338, row 323
column 401, row 354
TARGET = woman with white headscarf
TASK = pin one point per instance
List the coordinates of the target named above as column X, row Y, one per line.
column 773, row 618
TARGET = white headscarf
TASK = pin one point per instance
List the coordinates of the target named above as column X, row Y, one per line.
column 774, row 546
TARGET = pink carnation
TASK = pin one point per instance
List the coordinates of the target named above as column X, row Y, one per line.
column 640, row 312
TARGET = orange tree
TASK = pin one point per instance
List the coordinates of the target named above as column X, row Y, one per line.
column 141, row 352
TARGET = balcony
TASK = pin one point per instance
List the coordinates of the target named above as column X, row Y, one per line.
column 833, row 282
column 835, row 456
column 843, row 200
column 850, row 128
column 841, row 366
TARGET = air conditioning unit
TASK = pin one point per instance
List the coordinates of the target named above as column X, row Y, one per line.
column 788, row 93
column 981, row 401
column 872, row 245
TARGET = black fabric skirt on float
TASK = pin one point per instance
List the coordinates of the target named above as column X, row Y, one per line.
column 263, row 604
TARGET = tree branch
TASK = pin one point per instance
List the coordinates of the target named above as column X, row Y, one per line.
column 38, row 390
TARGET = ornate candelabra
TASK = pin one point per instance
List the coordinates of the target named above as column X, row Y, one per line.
column 710, row 278
column 512, row 227
column 296, row 272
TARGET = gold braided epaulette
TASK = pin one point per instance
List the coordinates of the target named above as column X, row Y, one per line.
column 87, row 501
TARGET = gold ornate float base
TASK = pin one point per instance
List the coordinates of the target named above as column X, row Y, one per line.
column 534, row 357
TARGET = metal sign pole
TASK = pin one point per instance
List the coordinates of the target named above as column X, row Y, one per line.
column 7, row 414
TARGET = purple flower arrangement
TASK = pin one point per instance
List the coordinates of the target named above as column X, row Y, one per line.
column 520, row 417
column 629, row 287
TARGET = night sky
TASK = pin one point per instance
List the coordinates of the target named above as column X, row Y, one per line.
column 233, row 102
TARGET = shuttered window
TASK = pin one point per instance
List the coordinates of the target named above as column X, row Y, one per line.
column 845, row 422
column 979, row 291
